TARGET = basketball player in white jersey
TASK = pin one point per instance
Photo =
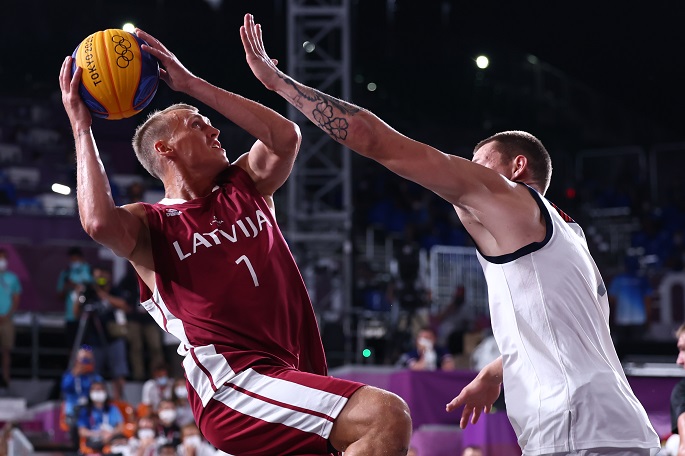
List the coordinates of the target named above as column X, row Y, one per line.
column 565, row 389
column 216, row 272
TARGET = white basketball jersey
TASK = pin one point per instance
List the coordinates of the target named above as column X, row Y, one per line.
column 564, row 386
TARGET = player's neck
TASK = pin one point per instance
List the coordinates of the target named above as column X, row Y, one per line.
column 180, row 187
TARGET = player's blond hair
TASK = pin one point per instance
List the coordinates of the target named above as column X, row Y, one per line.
column 155, row 127
column 679, row 332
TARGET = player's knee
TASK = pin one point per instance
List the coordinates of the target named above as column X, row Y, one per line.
column 393, row 414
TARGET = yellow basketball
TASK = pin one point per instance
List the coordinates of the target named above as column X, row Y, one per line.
column 119, row 79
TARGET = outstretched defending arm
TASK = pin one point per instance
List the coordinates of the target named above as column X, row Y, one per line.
column 366, row 134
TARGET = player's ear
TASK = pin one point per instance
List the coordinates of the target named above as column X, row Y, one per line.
column 519, row 165
column 162, row 148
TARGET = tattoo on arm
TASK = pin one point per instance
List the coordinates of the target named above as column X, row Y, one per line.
column 324, row 112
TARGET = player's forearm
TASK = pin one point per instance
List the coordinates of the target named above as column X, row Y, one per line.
column 350, row 125
column 96, row 206
column 275, row 131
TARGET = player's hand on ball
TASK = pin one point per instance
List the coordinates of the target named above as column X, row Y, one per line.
column 174, row 73
column 263, row 67
column 78, row 113
column 476, row 397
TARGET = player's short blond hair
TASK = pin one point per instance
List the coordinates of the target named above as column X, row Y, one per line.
column 155, row 127
column 679, row 332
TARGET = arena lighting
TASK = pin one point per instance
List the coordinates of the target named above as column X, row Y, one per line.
column 366, row 353
column 308, row 47
column 482, row 62
column 371, row 87
column 61, row 189
column 128, row 27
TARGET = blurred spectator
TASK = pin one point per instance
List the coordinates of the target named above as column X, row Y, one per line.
column 184, row 413
column 167, row 429
column 146, row 439
column 76, row 384
column 10, row 294
column 166, row 449
column 98, row 421
column 119, row 445
column 454, row 321
column 107, row 331
column 71, row 284
column 678, row 396
column 427, row 356
column 630, row 296
column 141, row 327
column 157, row 388
column 193, row 444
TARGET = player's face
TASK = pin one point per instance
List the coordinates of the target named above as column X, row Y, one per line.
column 490, row 157
column 196, row 140
column 681, row 351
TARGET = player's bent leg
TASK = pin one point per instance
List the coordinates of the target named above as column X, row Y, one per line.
column 374, row 422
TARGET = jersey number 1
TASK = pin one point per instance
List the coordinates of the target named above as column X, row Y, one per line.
column 249, row 267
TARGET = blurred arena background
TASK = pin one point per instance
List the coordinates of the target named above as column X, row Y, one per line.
column 600, row 85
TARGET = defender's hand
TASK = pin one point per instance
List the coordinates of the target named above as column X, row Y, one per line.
column 476, row 397
column 263, row 67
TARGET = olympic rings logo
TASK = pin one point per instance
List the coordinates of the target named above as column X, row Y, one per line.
column 123, row 49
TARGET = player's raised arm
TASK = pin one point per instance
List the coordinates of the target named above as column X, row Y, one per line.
column 112, row 226
column 278, row 139
column 452, row 177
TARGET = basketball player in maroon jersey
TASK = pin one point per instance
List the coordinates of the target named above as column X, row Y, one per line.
column 216, row 272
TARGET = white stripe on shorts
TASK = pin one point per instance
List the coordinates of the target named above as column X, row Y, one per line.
column 284, row 391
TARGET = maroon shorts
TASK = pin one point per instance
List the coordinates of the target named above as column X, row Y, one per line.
column 270, row 410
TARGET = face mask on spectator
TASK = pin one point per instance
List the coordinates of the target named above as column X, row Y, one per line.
column 167, row 415
column 162, row 381
column 192, row 440
column 145, row 434
column 119, row 449
column 3, row 264
column 98, row 396
column 181, row 391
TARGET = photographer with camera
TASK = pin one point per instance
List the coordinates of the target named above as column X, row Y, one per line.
column 71, row 284
column 105, row 328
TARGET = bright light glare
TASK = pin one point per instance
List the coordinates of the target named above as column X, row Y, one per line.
column 61, row 189
column 366, row 353
column 371, row 86
column 308, row 47
column 482, row 62
column 129, row 27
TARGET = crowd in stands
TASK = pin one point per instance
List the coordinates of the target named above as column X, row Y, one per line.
column 161, row 423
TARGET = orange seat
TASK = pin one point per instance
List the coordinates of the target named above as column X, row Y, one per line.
column 143, row 410
column 63, row 425
column 129, row 416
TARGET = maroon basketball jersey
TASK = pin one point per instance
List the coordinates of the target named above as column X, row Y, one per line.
column 228, row 287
